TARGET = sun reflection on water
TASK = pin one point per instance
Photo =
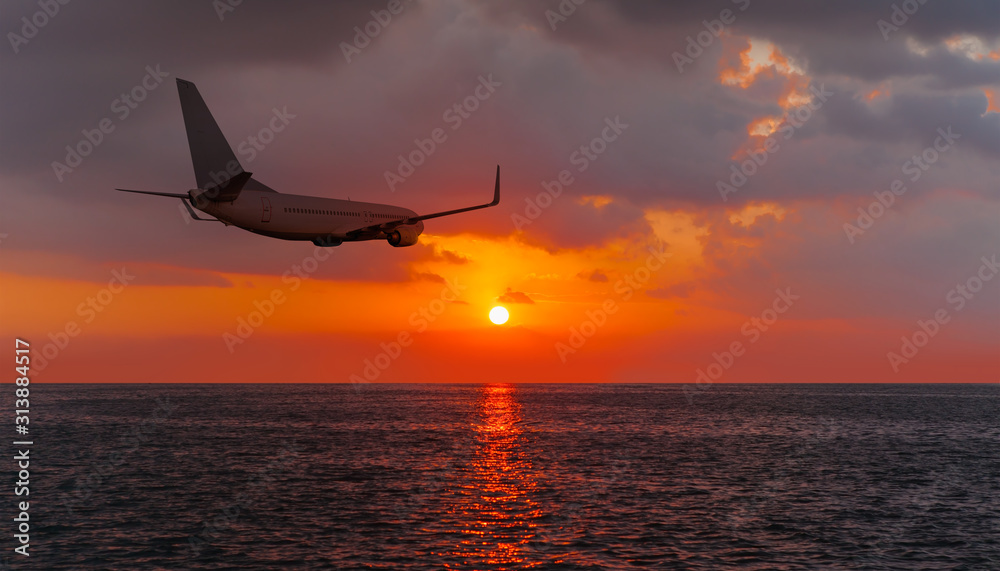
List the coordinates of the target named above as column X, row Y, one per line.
column 498, row 518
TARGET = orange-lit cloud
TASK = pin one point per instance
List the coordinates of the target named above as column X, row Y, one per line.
column 747, row 62
column 883, row 90
column 992, row 101
column 688, row 306
column 751, row 212
column 638, row 249
column 595, row 201
column 972, row 47
column 511, row 296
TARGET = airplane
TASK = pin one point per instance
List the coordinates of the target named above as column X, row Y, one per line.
column 232, row 196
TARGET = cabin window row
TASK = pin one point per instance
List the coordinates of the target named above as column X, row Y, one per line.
column 317, row 211
column 337, row 213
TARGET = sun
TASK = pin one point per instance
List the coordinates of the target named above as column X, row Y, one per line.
column 499, row 315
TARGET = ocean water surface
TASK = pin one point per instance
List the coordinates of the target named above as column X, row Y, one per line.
column 296, row 476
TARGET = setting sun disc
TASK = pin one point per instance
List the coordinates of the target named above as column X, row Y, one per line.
column 499, row 315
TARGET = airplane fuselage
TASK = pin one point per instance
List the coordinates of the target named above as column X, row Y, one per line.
column 298, row 217
column 232, row 196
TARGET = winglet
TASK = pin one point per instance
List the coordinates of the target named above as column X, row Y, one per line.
column 496, row 190
column 412, row 219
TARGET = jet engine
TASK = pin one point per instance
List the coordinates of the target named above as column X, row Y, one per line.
column 403, row 236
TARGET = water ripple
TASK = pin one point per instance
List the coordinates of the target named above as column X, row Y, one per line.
column 491, row 477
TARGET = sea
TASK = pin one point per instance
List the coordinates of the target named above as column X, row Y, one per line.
column 509, row 476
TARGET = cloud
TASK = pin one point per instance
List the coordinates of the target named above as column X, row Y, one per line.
column 686, row 131
column 71, row 268
column 428, row 277
column 452, row 257
column 511, row 296
column 557, row 88
column 670, row 292
column 594, row 276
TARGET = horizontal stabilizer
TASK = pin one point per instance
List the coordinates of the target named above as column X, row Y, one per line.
column 170, row 194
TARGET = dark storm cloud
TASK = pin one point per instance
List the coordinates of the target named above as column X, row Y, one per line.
column 917, row 118
column 849, row 19
column 838, row 45
column 557, row 90
column 836, row 37
column 90, row 53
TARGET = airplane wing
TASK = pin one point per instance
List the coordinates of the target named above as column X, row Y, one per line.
column 393, row 224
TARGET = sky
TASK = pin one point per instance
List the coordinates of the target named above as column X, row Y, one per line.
column 692, row 192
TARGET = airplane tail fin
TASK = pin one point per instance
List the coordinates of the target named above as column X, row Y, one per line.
column 215, row 164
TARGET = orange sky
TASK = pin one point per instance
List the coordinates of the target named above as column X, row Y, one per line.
column 642, row 270
column 634, row 325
